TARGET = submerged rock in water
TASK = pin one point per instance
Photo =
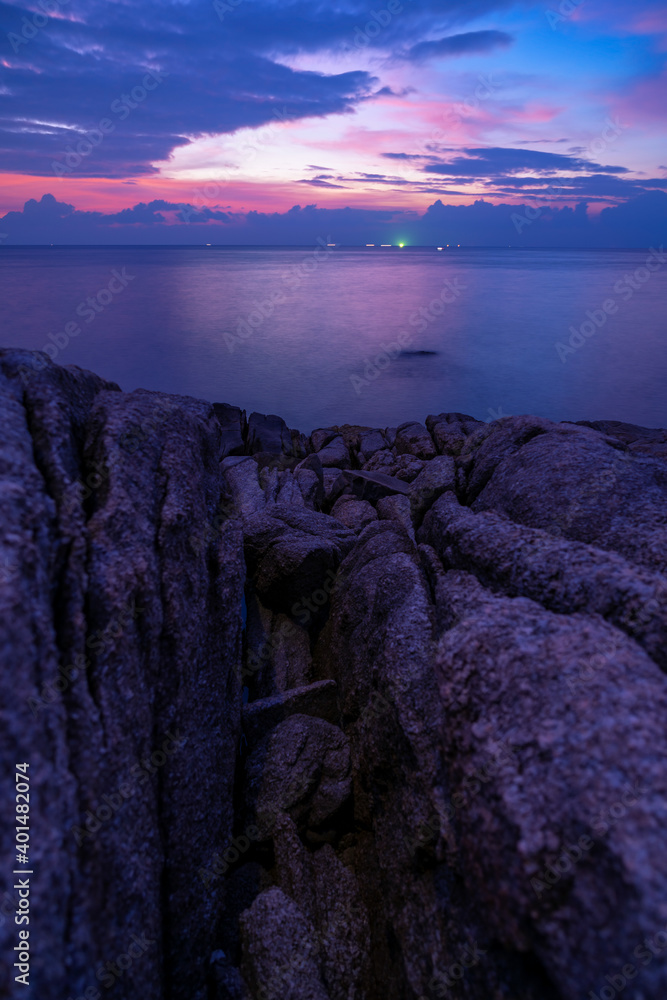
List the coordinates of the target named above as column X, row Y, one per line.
column 379, row 712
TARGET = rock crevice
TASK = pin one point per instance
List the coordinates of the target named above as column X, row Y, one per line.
column 369, row 713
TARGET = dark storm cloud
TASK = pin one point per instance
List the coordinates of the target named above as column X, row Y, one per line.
column 599, row 186
column 498, row 161
column 405, row 156
column 639, row 222
column 219, row 71
column 458, row 45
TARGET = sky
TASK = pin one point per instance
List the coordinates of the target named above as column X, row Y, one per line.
column 265, row 121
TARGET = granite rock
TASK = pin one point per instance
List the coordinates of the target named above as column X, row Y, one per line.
column 449, row 775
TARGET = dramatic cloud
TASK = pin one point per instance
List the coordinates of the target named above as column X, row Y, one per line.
column 241, row 95
column 640, row 222
column 458, row 45
column 499, row 161
column 161, row 74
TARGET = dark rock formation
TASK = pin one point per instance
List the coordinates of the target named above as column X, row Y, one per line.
column 414, row 439
column 234, row 427
column 377, row 713
column 302, row 768
column 121, row 662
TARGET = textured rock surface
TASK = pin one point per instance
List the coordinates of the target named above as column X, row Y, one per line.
column 414, row 439
column 450, row 431
column 438, row 476
column 328, row 893
column 564, row 576
column 587, row 776
column 125, row 605
column 334, row 455
column 268, row 434
column 290, row 552
column 280, row 950
column 576, row 482
column 404, row 690
column 353, row 513
column 303, row 769
column 234, row 426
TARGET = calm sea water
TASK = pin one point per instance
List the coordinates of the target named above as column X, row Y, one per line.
column 329, row 337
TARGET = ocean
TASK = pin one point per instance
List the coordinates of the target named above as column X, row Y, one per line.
column 326, row 334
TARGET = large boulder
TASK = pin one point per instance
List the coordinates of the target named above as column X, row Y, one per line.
column 561, row 843
column 573, row 481
column 268, row 434
column 122, row 628
column 564, row 576
column 413, row 438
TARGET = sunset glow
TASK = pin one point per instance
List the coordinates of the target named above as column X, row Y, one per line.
column 254, row 109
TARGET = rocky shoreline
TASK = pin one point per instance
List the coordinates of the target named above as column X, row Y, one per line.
column 369, row 713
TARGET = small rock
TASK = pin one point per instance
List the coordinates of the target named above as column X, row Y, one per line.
column 321, row 437
column 280, row 950
column 353, row 513
column 268, row 433
column 412, row 438
column 382, row 461
column 450, row 431
column 293, row 553
column 371, row 442
column 335, row 454
column 334, row 485
column 397, row 508
column 408, row 467
column 437, row 476
column 303, row 769
column 233, row 422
